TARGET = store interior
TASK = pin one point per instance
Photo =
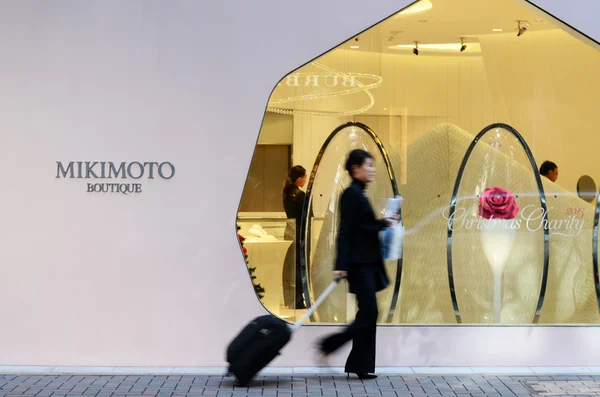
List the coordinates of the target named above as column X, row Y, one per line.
column 426, row 81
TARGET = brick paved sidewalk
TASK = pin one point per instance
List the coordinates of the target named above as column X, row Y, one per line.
column 297, row 386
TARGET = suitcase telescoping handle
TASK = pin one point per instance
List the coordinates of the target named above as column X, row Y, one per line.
column 315, row 305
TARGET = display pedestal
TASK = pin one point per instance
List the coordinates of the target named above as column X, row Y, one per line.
column 497, row 242
column 268, row 258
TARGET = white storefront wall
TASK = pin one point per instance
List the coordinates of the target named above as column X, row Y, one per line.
column 156, row 278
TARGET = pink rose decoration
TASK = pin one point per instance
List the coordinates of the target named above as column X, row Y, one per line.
column 497, row 203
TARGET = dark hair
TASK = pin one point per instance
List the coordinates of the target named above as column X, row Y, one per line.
column 357, row 157
column 296, row 172
column 546, row 167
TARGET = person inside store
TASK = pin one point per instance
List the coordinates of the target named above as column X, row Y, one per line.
column 293, row 203
column 359, row 260
column 549, row 170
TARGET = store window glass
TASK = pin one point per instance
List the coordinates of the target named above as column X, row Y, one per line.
column 481, row 116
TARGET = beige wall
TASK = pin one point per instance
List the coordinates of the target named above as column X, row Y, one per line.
column 276, row 129
column 416, row 95
column 546, row 86
column 310, row 132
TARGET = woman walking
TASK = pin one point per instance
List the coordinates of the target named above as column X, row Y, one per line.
column 359, row 259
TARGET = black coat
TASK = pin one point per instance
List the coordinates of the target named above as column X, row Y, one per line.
column 358, row 239
column 293, row 201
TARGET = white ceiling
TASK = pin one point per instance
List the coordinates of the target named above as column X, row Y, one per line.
column 447, row 21
column 427, row 80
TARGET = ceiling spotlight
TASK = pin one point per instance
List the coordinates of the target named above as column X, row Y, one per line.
column 521, row 28
column 463, row 46
column 416, row 49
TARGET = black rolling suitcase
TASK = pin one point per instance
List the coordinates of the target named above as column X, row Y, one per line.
column 262, row 340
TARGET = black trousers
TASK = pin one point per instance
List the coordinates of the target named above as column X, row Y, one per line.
column 293, row 296
column 362, row 332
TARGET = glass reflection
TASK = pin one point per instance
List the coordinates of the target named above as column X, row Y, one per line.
column 426, row 110
column 497, row 228
column 327, row 182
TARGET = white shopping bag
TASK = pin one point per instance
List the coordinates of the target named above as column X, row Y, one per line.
column 392, row 239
